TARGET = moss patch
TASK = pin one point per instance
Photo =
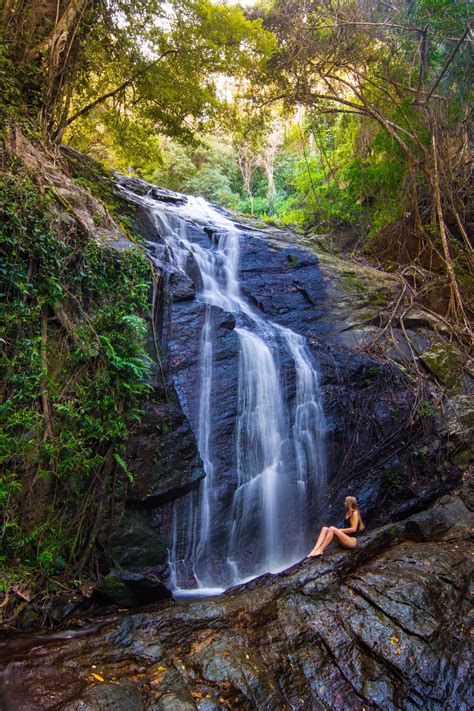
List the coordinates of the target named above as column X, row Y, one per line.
column 444, row 361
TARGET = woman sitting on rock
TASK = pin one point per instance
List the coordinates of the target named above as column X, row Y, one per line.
column 344, row 536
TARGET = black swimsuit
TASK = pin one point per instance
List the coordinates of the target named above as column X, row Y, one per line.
column 358, row 531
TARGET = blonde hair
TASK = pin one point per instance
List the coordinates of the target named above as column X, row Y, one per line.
column 351, row 506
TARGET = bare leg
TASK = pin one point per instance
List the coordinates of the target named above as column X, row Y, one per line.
column 342, row 538
column 319, row 550
column 321, row 537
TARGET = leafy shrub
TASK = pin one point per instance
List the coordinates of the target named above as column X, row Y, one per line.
column 73, row 334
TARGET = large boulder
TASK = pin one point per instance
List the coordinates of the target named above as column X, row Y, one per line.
column 128, row 589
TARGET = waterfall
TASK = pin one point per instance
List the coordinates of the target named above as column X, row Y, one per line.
column 278, row 442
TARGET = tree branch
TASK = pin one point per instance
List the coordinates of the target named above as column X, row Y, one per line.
column 113, row 92
column 448, row 62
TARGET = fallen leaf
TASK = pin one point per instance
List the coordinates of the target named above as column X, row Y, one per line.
column 394, row 640
column 97, row 676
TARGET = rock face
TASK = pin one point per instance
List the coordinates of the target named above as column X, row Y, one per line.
column 379, row 627
column 163, row 456
column 378, row 449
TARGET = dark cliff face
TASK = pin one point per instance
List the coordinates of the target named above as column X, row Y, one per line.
column 379, row 627
column 373, row 428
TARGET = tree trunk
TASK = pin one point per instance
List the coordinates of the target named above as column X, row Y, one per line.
column 456, row 306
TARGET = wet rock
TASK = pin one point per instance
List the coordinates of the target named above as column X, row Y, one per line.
column 181, row 287
column 137, row 642
column 381, row 626
column 227, row 321
column 162, row 456
column 450, row 519
column 61, row 606
column 141, row 187
column 129, row 589
column 135, row 544
column 123, row 696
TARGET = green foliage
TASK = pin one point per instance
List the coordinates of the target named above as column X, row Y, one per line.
column 427, row 409
column 396, row 480
column 9, row 95
column 208, row 169
column 326, row 183
column 159, row 77
column 73, row 331
column 372, row 374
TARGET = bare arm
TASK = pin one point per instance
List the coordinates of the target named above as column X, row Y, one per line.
column 354, row 524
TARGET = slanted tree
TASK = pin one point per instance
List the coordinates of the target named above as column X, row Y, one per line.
column 404, row 69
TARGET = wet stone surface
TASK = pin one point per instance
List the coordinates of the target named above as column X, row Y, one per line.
column 380, row 627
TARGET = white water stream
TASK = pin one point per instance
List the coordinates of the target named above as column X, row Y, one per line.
column 279, row 448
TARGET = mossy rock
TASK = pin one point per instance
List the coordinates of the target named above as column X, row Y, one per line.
column 135, row 544
column 380, row 296
column 444, row 361
column 113, row 589
column 28, row 618
column 131, row 589
column 463, row 458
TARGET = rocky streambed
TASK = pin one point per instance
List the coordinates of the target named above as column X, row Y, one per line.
column 381, row 627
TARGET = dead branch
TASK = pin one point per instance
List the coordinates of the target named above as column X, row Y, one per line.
column 456, row 304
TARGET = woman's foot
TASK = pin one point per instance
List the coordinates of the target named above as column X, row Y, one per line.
column 314, row 554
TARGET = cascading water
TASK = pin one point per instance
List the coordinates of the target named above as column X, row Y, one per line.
column 278, row 442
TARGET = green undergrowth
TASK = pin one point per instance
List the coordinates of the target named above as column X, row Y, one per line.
column 73, row 372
